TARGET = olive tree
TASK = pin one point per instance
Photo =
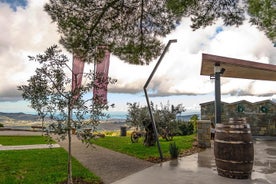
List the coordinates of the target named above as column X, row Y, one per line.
column 49, row 90
column 164, row 116
column 136, row 115
column 139, row 117
column 37, row 94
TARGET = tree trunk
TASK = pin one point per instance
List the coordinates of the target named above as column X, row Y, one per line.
column 42, row 123
column 69, row 167
column 150, row 138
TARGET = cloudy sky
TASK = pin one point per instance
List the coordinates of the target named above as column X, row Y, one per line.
column 27, row 30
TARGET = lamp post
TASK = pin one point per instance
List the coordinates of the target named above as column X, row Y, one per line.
column 147, row 98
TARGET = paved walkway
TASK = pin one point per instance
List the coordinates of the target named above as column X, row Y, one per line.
column 35, row 146
column 109, row 165
column 200, row 168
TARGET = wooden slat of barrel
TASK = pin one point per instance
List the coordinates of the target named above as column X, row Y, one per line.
column 233, row 148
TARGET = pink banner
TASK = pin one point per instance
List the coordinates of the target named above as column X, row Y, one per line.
column 77, row 72
column 101, row 80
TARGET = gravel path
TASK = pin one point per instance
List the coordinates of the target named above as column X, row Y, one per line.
column 109, row 165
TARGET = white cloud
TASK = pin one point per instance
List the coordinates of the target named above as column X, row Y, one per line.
column 244, row 42
column 179, row 71
column 24, row 32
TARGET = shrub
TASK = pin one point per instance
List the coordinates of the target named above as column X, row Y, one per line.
column 1, row 125
column 186, row 128
column 174, row 151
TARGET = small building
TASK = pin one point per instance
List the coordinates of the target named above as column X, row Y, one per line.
column 260, row 115
column 208, row 111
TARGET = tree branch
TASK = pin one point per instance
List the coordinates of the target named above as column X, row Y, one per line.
column 141, row 25
column 104, row 10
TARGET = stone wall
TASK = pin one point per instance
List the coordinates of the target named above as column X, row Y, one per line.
column 204, row 133
column 260, row 115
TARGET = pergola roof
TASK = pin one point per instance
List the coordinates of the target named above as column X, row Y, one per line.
column 238, row 68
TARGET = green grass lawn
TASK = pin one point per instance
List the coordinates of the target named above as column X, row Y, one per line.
column 124, row 145
column 39, row 166
column 23, row 140
column 43, row 166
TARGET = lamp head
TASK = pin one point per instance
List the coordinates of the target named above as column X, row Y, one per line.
column 222, row 71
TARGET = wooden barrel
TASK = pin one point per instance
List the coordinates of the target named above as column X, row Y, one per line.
column 233, row 148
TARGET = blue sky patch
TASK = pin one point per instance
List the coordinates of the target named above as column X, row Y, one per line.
column 219, row 29
column 14, row 4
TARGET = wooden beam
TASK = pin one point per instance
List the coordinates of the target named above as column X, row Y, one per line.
column 237, row 68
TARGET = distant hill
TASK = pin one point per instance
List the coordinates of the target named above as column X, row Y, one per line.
column 18, row 116
column 114, row 117
column 187, row 117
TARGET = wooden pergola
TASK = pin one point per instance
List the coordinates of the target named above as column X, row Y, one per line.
column 217, row 66
column 238, row 68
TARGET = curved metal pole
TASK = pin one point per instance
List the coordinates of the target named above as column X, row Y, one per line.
column 147, row 98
